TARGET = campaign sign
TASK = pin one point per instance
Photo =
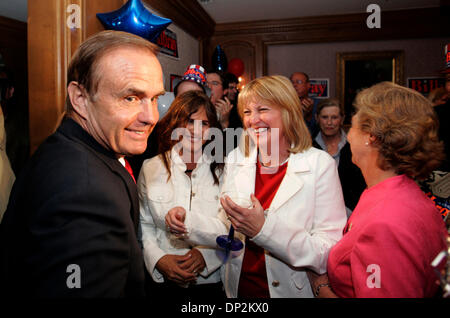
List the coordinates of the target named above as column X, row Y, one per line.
column 319, row 88
column 167, row 41
column 425, row 85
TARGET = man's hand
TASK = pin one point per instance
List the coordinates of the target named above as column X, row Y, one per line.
column 223, row 108
column 307, row 105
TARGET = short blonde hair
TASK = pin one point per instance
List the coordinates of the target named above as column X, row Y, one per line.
column 405, row 126
column 278, row 91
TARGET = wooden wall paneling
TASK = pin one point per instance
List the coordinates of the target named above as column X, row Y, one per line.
column 91, row 24
column 246, row 47
column 45, row 58
column 246, row 52
column 403, row 24
column 51, row 44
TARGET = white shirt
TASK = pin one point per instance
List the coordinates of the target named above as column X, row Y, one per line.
column 305, row 219
column 157, row 196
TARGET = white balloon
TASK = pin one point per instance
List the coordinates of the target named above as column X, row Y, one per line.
column 164, row 102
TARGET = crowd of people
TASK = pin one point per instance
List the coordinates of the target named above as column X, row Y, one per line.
column 306, row 209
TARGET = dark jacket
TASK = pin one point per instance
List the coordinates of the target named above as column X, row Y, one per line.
column 73, row 204
column 352, row 180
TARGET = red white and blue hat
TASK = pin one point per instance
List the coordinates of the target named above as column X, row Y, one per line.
column 195, row 73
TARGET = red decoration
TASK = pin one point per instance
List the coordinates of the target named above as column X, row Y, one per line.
column 236, row 66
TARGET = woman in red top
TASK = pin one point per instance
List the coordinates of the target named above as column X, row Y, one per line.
column 298, row 211
column 395, row 231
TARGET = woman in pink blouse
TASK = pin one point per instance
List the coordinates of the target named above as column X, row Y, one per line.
column 395, row 231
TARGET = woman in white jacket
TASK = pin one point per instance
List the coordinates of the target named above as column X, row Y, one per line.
column 181, row 177
column 298, row 211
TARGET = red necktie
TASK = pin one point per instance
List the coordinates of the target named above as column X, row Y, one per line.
column 130, row 171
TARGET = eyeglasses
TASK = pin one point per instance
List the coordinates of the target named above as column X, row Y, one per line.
column 298, row 82
column 214, row 83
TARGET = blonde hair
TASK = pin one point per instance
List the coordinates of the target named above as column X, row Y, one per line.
column 278, row 91
column 405, row 126
column 83, row 67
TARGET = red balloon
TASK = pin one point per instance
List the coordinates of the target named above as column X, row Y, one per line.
column 236, row 66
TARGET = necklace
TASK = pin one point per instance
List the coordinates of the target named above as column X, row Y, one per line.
column 263, row 165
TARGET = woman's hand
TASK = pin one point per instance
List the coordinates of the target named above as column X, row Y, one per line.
column 195, row 263
column 175, row 220
column 246, row 221
column 170, row 266
column 316, row 280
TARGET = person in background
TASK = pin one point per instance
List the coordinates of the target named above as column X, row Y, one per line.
column 443, row 114
column 7, row 176
column 332, row 139
column 436, row 185
column 181, row 176
column 395, row 231
column 194, row 79
column 15, row 123
column 301, row 83
column 297, row 211
column 230, row 85
column 70, row 229
column 215, row 81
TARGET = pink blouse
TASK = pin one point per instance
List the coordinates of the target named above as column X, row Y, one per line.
column 389, row 242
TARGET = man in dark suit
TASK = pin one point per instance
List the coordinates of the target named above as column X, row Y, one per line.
column 70, row 229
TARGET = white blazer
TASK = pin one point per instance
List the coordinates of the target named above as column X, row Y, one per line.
column 157, row 196
column 305, row 219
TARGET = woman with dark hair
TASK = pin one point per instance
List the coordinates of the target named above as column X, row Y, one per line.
column 181, row 177
column 395, row 231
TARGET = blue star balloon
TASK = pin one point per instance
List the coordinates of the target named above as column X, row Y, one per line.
column 134, row 18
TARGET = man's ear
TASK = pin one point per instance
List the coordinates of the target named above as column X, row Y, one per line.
column 78, row 98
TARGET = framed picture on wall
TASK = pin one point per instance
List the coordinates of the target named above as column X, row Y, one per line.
column 358, row 70
column 172, row 79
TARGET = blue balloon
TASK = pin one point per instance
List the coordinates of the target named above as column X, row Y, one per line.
column 134, row 18
column 219, row 60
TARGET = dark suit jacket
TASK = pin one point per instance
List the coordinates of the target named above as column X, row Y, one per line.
column 74, row 203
